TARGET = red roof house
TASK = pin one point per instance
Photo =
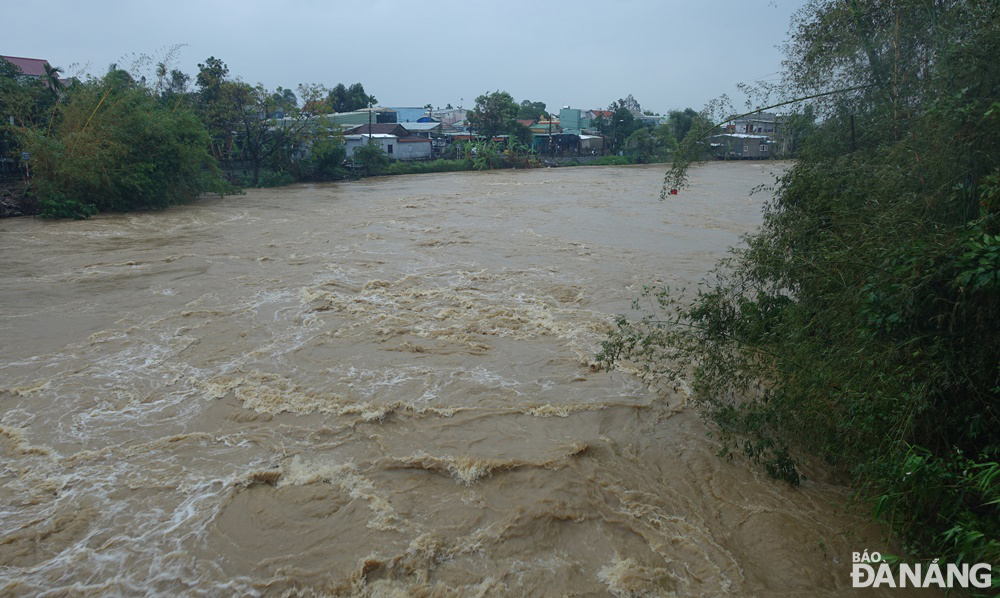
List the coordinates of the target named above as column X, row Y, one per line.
column 30, row 67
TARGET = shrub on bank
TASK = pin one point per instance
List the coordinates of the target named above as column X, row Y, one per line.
column 438, row 165
column 113, row 147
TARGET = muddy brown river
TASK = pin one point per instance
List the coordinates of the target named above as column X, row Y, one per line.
column 383, row 388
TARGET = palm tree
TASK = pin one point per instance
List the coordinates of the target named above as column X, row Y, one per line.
column 52, row 78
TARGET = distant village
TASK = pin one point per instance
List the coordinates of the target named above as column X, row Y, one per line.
column 424, row 133
column 420, row 133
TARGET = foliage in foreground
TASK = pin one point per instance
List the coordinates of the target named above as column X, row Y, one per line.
column 111, row 146
column 862, row 322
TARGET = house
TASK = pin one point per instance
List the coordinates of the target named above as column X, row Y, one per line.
column 29, row 67
column 741, row 146
column 648, row 120
column 605, row 114
column 759, row 123
column 409, row 114
column 561, row 144
column 574, row 120
column 450, row 116
column 769, row 124
column 364, row 116
column 591, row 144
column 379, row 129
column 413, row 148
column 428, row 130
column 546, row 125
column 395, row 141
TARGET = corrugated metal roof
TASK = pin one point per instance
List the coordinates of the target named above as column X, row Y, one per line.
column 366, row 136
column 379, row 128
column 420, row 126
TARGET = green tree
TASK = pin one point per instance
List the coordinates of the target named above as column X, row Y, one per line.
column 213, row 106
column 349, row 99
column 372, row 158
column 683, row 121
column 172, row 86
column 258, row 137
column 494, row 114
column 621, row 124
column 284, row 101
column 327, row 159
column 8, row 70
column 521, row 134
column 650, row 145
column 529, row 110
column 862, row 322
column 115, row 147
column 51, row 79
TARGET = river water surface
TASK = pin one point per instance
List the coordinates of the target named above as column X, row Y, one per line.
column 383, row 388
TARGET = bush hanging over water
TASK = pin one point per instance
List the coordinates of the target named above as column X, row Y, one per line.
column 862, row 322
column 113, row 147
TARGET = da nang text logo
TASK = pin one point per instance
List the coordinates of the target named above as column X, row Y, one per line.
column 870, row 571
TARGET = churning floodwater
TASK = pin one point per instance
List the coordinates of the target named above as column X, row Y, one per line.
column 383, row 388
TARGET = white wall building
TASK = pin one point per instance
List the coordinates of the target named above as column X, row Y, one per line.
column 396, row 148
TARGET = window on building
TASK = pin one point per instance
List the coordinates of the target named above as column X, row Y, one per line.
column 763, row 148
column 389, row 149
column 746, row 148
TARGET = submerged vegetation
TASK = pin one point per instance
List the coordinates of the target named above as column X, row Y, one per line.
column 861, row 324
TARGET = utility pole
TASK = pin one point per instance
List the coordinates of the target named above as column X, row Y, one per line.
column 552, row 150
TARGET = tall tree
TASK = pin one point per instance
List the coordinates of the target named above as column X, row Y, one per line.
column 631, row 104
column 52, row 78
column 529, row 110
column 682, row 121
column 284, row 101
column 494, row 114
column 260, row 138
column 619, row 125
column 213, row 105
column 349, row 99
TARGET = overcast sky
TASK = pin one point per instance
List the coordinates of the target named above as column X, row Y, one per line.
column 668, row 53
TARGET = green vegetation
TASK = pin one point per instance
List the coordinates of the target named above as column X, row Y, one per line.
column 110, row 145
column 371, row 158
column 528, row 110
column 243, row 123
column 612, row 161
column 495, row 114
column 348, row 99
column 861, row 324
column 648, row 145
column 152, row 137
column 427, row 167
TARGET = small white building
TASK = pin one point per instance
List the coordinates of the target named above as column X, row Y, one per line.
column 396, row 148
column 413, row 148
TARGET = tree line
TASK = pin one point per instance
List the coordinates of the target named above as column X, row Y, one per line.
column 125, row 140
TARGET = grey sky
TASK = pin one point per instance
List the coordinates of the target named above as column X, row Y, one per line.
column 668, row 53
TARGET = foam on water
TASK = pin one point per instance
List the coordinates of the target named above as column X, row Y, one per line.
column 382, row 388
